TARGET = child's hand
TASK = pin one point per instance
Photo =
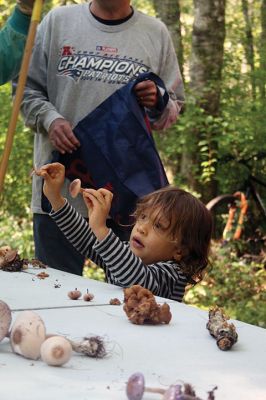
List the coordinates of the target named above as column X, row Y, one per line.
column 54, row 176
column 98, row 203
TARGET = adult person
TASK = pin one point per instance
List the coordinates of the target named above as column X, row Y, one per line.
column 83, row 54
column 12, row 40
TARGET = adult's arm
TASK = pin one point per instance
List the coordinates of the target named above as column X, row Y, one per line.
column 37, row 110
column 12, row 41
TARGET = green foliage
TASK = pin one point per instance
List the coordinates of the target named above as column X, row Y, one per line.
column 17, row 189
column 235, row 284
column 145, row 6
column 92, row 271
column 17, row 233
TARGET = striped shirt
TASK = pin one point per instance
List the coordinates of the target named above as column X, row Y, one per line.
column 121, row 266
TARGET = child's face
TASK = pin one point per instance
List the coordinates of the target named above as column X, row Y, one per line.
column 150, row 239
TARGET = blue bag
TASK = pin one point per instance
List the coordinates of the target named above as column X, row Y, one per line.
column 117, row 151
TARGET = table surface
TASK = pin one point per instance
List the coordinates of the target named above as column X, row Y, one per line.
column 182, row 351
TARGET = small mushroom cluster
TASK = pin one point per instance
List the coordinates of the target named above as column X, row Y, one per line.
column 11, row 261
column 224, row 333
column 136, row 387
column 141, row 307
column 115, row 302
column 76, row 294
column 28, row 338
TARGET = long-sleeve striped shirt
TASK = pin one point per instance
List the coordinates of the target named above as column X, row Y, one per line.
column 121, row 266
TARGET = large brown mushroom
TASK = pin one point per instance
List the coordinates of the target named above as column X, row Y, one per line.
column 27, row 335
column 5, row 319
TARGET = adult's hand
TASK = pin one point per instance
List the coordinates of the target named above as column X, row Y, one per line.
column 62, row 137
column 25, row 6
column 146, row 92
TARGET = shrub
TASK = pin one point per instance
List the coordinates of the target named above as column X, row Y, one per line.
column 235, row 283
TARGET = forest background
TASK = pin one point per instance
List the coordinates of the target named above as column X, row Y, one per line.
column 221, row 47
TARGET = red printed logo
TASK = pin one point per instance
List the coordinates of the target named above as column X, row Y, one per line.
column 67, row 51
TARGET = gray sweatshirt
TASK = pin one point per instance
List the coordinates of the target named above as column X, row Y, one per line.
column 78, row 62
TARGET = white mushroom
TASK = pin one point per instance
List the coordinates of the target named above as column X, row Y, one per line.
column 5, row 319
column 56, row 351
column 27, row 334
column 75, row 188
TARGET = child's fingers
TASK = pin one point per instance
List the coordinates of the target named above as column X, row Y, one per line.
column 96, row 195
column 107, row 197
column 91, row 191
column 53, row 169
column 106, row 194
column 88, row 198
column 45, row 175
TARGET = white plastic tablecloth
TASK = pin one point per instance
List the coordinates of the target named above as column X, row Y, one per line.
column 166, row 354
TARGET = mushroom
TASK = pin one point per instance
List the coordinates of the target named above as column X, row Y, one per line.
column 92, row 346
column 75, row 188
column 3, row 251
column 5, row 319
column 56, row 351
column 74, row 294
column 136, row 387
column 88, row 296
column 27, row 335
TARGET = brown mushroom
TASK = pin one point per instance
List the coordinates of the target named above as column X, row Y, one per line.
column 5, row 319
column 74, row 294
column 88, row 296
column 27, row 335
column 56, row 350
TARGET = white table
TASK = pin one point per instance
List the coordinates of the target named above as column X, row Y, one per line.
column 24, row 290
column 182, row 350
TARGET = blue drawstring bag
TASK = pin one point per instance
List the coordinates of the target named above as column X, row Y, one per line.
column 117, row 151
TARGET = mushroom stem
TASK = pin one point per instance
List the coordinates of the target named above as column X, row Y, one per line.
column 154, row 390
column 90, row 346
column 36, row 171
column 81, row 190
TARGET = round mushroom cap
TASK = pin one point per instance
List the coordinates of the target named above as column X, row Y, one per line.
column 27, row 335
column 56, row 351
column 5, row 319
column 135, row 386
column 74, row 187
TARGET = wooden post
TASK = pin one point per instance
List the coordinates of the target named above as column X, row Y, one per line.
column 35, row 19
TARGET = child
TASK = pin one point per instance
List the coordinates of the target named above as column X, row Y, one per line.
column 168, row 246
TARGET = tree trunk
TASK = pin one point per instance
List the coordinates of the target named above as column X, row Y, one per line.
column 263, row 51
column 249, row 45
column 205, row 75
column 169, row 12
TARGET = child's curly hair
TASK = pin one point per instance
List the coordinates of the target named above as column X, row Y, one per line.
column 190, row 226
